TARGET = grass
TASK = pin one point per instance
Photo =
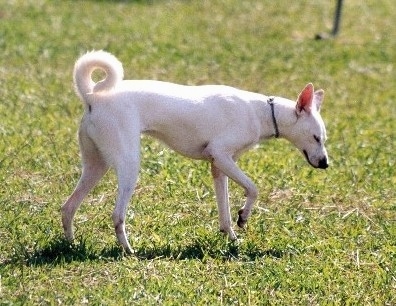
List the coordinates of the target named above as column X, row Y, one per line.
column 315, row 237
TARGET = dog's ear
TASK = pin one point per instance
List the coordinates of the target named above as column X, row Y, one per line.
column 318, row 98
column 305, row 99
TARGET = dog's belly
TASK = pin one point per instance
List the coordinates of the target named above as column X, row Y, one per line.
column 183, row 144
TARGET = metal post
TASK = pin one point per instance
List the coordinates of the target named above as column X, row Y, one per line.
column 336, row 25
column 337, row 18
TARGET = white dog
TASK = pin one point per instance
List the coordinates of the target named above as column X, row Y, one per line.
column 212, row 122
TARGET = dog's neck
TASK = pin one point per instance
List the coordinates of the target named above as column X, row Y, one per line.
column 278, row 118
column 270, row 101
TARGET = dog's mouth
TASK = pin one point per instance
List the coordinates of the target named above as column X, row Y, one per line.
column 322, row 163
column 307, row 158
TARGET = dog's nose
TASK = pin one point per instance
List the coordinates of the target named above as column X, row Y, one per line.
column 323, row 163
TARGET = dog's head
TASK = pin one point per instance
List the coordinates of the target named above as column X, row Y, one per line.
column 309, row 134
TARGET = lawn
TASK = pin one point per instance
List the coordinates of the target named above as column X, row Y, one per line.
column 315, row 237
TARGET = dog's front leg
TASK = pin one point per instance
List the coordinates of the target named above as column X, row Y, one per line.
column 221, row 189
column 227, row 165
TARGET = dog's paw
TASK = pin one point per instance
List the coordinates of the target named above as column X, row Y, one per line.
column 241, row 221
column 127, row 250
column 230, row 233
column 68, row 234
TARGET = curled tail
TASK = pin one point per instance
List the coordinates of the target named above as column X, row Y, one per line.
column 90, row 61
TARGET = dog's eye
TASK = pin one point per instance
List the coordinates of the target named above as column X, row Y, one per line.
column 317, row 139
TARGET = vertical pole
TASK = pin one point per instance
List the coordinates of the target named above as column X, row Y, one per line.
column 337, row 18
column 336, row 25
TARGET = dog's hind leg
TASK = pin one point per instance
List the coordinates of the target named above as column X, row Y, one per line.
column 127, row 170
column 94, row 167
column 221, row 189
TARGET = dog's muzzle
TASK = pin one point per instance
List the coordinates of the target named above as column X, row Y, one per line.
column 323, row 163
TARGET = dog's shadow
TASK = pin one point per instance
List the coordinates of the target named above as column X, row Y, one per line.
column 60, row 251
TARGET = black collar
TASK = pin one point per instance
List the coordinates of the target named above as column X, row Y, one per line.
column 270, row 101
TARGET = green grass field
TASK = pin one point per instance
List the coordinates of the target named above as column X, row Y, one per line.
column 314, row 238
